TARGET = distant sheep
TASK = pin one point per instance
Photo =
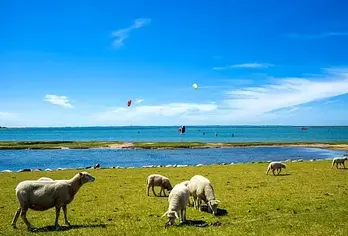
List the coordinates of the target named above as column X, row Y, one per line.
column 278, row 166
column 201, row 189
column 158, row 180
column 177, row 200
column 43, row 195
column 339, row 161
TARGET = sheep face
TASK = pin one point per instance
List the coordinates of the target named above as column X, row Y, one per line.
column 168, row 186
column 283, row 166
column 172, row 215
column 213, row 205
column 86, row 177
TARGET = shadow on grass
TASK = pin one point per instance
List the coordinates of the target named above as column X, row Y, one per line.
column 197, row 223
column 220, row 212
column 65, row 228
column 286, row 174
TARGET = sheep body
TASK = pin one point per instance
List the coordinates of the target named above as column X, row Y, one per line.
column 339, row 161
column 201, row 189
column 45, row 179
column 41, row 195
column 278, row 166
column 158, row 180
column 178, row 198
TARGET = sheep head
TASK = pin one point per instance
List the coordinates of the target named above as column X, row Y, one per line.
column 213, row 205
column 86, row 177
column 172, row 215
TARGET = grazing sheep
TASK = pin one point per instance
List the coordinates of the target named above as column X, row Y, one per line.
column 275, row 166
column 158, row 180
column 43, row 195
column 177, row 200
column 201, row 189
column 45, row 179
column 339, row 160
column 186, row 184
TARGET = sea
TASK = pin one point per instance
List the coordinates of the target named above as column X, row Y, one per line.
column 15, row 160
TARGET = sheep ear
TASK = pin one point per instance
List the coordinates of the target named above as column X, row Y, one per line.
column 176, row 215
column 165, row 214
column 80, row 174
column 218, row 201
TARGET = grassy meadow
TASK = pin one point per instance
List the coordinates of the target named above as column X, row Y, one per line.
column 309, row 198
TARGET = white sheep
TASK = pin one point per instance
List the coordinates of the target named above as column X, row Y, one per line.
column 186, row 184
column 339, row 161
column 275, row 166
column 201, row 189
column 177, row 200
column 158, row 180
column 45, row 179
column 43, row 195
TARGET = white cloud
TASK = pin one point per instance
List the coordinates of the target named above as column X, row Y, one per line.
column 138, row 101
column 245, row 65
column 139, row 113
column 263, row 104
column 317, row 36
column 6, row 115
column 286, row 93
column 58, row 100
column 122, row 34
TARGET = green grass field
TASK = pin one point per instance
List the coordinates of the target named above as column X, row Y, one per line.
column 309, row 199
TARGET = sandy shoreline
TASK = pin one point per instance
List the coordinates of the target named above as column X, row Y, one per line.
column 43, row 145
column 340, row 147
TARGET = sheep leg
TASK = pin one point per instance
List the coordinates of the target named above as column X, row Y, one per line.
column 24, row 218
column 65, row 216
column 280, row 170
column 57, row 217
column 153, row 190
column 15, row 218
column 273, row 171
column 344, row 165
column 182, row 216
column 199, row 203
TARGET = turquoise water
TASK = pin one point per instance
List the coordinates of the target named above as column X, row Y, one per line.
column 19, row 159
column 193, row 133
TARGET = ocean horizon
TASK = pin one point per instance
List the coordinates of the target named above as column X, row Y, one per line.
column 208, row 133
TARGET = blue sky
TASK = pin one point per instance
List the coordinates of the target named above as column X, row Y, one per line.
column 76, row 63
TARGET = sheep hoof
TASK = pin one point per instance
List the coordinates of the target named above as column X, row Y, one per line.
column 57, row 227
column 68, row 223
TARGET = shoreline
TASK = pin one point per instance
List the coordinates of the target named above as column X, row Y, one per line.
column 161, row 166
column 48, row 145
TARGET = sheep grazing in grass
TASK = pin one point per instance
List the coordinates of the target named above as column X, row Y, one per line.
column 201, row 189
column 45, row 179
column 278, row 166
column 177, row 200
column 158, row 180
column 43, row 195
column 339, row 161
column 186, row 184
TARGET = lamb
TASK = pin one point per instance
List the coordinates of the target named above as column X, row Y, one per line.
column 275, row 166
column 201, row 189
column 177, row 200
column 339, row 160
column 158, row 180
column 45, row 179
column 43, row 195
